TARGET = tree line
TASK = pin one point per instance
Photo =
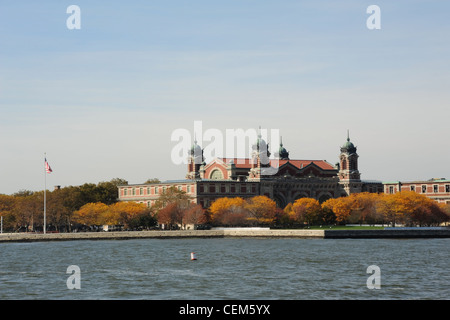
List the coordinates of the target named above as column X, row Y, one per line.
column 89, row 206
column 406, row 208
column 23, row 210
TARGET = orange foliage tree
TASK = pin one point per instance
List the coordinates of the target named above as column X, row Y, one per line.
column 340, row 206
column 364, row 208
column 228, row 211
column 412, row 208
column 123, row 213
column 261, row 209
column 306, row 211
column 91, row 214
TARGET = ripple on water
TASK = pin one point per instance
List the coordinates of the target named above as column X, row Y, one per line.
column 227, row 269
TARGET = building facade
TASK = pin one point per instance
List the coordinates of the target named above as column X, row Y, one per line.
column 436, row 189
column 280, row 178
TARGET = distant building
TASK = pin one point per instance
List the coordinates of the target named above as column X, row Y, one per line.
column 436, row 189
column 282, row 179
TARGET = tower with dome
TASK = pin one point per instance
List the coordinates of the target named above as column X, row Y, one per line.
column 280, row 177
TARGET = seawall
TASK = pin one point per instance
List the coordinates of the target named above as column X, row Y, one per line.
column 159, row 234
column 222, row 233
column 390, row 233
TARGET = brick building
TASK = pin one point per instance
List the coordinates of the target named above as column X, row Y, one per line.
column 280, row 178
column 436, row 189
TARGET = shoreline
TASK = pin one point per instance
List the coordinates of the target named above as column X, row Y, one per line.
column 229, row 233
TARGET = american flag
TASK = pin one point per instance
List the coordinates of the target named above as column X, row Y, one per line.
column 47, row 167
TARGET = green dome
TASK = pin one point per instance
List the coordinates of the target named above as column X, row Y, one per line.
column 282, row 152
column 348, row 146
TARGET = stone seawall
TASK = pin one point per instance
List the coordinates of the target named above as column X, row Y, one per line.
column 318, row 234
column 124, row 235
column 387, row 233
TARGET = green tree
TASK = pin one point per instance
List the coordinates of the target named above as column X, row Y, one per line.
column 152, row 180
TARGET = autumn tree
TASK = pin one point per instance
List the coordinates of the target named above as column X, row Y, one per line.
column 195, row 214
column 306, row 211
column 171, row 205
column 123, row 213
column 57, row 214
column 29, row 211
column 7, row 205
column 91, row 214
column 340, row 206
column 229, row 212
column 170, row 216
column 173, row 195
column 417, row 209
column 261, row 209
column 364, row 208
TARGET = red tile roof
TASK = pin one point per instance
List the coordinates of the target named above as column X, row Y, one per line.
column 247, row 163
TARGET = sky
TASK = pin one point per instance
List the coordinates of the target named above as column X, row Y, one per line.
column 102, row 101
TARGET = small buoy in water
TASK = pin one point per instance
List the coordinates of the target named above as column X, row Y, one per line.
column 193, row 256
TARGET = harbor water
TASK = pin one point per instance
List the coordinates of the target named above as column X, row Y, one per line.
column 226, row 268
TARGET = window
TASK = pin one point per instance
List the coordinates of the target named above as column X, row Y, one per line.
column 435, row 188
column 216, row 174
column 134, row 191
column 148, row 190
column 391, row 189
column 156, row 190
column 413, row 188
column 125, row 192
column 447, row 188
column 424, row 189
column 141, row 191
column 188, row 189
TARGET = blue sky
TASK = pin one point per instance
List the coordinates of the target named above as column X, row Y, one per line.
column 103, row 101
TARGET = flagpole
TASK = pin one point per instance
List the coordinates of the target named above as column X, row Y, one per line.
column 45, row 190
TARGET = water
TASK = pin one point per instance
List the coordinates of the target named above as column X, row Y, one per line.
column 229, row 268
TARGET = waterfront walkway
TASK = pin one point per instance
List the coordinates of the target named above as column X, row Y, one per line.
column 240, row 232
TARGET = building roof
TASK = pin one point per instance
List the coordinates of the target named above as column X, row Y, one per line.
column 247, row 163
column 431, row 181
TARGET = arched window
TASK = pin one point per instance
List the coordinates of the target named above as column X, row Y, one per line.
column 216, row 175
